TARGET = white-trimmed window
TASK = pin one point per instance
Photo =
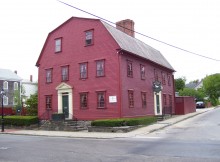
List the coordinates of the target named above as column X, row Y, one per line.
column 5, row 85
column 5, row 100
column 15, row 85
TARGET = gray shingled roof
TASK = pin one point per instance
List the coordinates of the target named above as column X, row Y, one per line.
column 137, row 47
column 6, row 74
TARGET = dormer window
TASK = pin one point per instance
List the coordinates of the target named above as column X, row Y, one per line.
column 89, row 37
column 58, row 45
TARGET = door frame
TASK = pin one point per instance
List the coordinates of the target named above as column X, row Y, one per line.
column 155, row 103
column 66, row 89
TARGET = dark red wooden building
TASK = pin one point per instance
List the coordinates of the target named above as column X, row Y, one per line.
column 89, row 70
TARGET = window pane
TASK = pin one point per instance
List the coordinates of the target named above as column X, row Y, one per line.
column 48, row 102
column 15, row 85
column 83, row 100
column 142, row 72
column 65, row 73
column 89, row 35
column 49, row 75
column 5, row 85
column 83, row 70
column 5, row 100
column 100, row 68
column 57, row 45
column 131, row 98
column 101, row 99
column 129, row 69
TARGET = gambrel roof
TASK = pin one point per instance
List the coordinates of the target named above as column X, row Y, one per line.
column 137, row 47
column 128, row 44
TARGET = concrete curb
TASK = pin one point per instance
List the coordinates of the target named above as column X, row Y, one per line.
column 100, row 135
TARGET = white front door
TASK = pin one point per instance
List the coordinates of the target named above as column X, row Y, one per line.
column 157, row 103
column 64, row 92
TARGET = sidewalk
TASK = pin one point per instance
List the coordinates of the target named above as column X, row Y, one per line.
column 104, row 135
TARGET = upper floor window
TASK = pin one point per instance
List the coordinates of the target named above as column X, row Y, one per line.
column 144, row 99
column 142, row 69
column 65, row 73
column 131, row 98
column 15, row 85
column 163, row 78
column 58, row 45
column 84, row 100
column 169, row 80
column 129, row 69
column 48, row 102
column 156, row 75
column 89, row 37
column 49, row 75
column 83, row 71
column 101, row 99
column 5, row 85
column 100, row 68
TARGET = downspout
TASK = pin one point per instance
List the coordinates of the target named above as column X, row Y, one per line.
column 174, row 96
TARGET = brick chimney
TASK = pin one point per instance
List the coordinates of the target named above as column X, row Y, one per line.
column 31, row 78
column 126, row 26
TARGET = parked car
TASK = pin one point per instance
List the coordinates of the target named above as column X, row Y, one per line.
column 200, row 104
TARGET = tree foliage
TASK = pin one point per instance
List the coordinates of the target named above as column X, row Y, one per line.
column 198, row 94
column 32, row 104
column 211, row 85
column 180, row 84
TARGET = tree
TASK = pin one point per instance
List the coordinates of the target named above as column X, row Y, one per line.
column 211, row 85
column 32, row 104
column 198, row 94
column 180, row 84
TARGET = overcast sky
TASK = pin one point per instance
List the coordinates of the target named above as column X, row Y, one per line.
column 193, row 25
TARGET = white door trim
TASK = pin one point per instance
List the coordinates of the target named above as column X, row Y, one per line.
column 156, row 110
column 67, row 89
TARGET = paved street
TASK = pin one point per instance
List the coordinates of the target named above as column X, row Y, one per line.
column 192, row 140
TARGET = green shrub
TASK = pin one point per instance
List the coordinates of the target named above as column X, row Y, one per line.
column 20, row 120
column 124, row 122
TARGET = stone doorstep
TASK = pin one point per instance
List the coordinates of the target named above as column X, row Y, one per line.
column 123, row 129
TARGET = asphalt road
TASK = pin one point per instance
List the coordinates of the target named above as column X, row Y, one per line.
column 194, row 140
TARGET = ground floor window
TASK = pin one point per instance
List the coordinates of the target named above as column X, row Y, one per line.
column 84, row 100
column 131, row 98
column 49, row 102
column 101, row 100
column 144, row 99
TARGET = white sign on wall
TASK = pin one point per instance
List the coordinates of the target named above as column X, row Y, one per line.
column 112, row 99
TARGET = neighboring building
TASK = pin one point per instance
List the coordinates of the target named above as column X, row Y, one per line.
column 90, row 70
column 28, row 88
column 195, row 85
column 10, row 82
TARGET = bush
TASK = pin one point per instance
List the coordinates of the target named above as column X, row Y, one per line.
column 124, row 122
column 20, row 120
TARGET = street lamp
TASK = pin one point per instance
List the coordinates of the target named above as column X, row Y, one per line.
column 2, row 96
